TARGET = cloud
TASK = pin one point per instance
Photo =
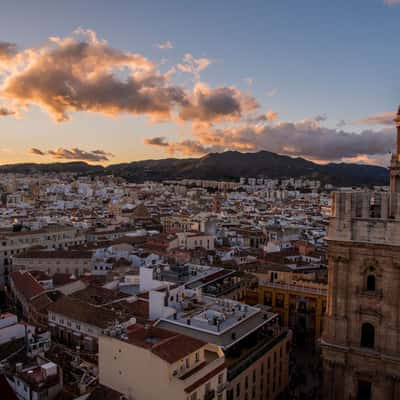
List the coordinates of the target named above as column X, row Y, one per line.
column 392, row 2
column 194, row 65
column 73, row 154
column 341, row 123
column 83, row 73
column 249, row 81
column 385, row 118
column 36, row 152
column 304, row 138
column 4, row 112
column 216, row 105
column 160, row 141
column 7, row 51
column 165, row 46
column 189, row 148
column 320, row 117
column 269, row 116
column 272, row 92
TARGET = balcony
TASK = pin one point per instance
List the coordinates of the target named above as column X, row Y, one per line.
column 293, row 287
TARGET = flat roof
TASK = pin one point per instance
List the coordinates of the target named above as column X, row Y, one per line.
column 231, row 331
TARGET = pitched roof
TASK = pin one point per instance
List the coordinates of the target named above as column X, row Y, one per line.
column 80, row 311
column 25, row 284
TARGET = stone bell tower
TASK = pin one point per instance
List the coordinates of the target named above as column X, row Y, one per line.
column 361, row 340
column 395, row 161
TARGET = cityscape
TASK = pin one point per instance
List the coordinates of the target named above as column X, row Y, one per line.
column 185, row 217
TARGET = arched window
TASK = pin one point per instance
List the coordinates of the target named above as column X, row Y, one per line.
column 367, row 335
column 371, row 283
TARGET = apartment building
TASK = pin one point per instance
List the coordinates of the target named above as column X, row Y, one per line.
column 81, row 318
column 256, row 348
column 182, row 367
column 301, row 305
column 193, row 240
column 52, row 237
column 56, row 261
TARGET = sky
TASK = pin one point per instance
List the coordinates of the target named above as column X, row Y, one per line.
column 110, row 82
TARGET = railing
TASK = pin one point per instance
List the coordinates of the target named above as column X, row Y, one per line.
column 259, row 352
column 299, row 288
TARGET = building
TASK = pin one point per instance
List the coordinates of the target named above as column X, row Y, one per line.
column 361, row 341
column 182, row 367
column 39, row 379
column 300, row 303
column 256, row 348
column 56, row 261
column 53, row 237
column 29, row 297
column 79, row 319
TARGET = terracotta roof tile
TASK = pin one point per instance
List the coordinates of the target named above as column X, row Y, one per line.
column 26, row 284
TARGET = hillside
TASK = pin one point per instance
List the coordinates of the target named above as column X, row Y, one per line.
column 229, row 165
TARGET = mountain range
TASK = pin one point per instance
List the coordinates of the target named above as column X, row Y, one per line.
column 230, row 165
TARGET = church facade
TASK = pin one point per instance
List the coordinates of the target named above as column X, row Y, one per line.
column 361, row 339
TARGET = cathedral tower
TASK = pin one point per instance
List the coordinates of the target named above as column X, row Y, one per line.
column 395, row 162
column 361, row 339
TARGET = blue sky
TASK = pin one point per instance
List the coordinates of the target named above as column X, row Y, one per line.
column 299, row 59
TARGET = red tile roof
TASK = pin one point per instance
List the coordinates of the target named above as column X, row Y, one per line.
column 25, row 284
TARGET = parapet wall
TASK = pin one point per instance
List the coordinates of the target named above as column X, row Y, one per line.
column 365, row 217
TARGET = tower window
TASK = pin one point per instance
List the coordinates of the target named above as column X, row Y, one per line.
column 367, row 335
column 371, row 283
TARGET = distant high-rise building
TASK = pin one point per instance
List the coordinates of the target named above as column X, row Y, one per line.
column 361, row 340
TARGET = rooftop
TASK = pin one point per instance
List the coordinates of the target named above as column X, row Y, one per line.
column 167, row 345
column 219, row 321
column 26, row 284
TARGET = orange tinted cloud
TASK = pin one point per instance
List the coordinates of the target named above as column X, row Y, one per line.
column 160, row 141
column 74, row 154
column 83, row 73
column 4, row 112
column 304, row 138
column 216, row 105
column 80, row 73
column 385, row 118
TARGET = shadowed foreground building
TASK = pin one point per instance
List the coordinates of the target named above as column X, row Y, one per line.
column 361, row 341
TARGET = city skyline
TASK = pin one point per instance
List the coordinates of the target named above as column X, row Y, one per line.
column 114, row 83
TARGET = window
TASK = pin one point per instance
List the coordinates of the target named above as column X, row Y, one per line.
column 371, row 283
column 193, row 396
column 364, row 390
column 367, row 335
column 197, row 357
column 220, row 379
column 238, row 390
